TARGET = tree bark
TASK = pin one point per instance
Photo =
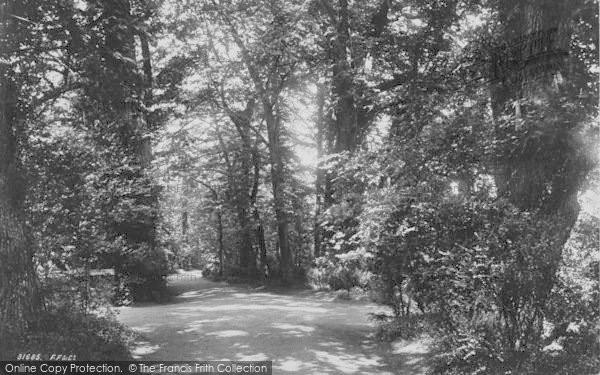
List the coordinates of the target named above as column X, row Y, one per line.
column 546, row 171
column 19, row 298
column 320, row 173
column 277, row 183
column 220, row 241
column 526, row 178
column 345, row 125
column 243, row 187
column 260, row 231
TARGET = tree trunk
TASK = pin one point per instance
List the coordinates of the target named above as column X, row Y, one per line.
column 320, row 173
column 345, row 125
column 277, row 182
column 243, row 187
column 526, row 178
column 18, row 281
column 220, row 241
column 545, row 172
column 260, row 231
column 185, row 224
column 246, row 251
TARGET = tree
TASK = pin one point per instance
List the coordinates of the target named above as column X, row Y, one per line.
column 270, row 72
column 18, row 281
column 115, row 106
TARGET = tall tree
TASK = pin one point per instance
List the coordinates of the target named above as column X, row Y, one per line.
column 18, row 288
column 269, row 82
column 117, row 96
column 538, row 79
column 548, row 168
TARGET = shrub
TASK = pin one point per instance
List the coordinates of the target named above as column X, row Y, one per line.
column 515, row 316
column 74, row 320
column 390, row 328
column 211, row 271
column 87, row 336
column 340, row 272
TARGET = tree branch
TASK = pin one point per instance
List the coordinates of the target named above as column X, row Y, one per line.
column 330, row 11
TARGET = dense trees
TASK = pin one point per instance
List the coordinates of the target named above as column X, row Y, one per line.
column 56, row 58
column 430, row 151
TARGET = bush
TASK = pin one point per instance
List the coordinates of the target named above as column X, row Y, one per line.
column 89, row 337
column 74, row 320
column 78, row 292
column 514, row 314
column 484, row 273
column 340, row 272
column 142, row 275
column 211, row 271
column 390, row 328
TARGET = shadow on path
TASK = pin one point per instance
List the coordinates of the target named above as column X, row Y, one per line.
column 301, row 332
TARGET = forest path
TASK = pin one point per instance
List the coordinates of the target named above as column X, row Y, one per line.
column 302, row 332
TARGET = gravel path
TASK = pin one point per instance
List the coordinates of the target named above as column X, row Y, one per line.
column 301, row 332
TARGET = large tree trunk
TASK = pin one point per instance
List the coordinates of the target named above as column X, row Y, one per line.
column 277, row 181
column 545, row 170
column 352, row 104
column 531, row 180
column 345, row 124
column 243, row 187
column 18, row 286
column 247, row 258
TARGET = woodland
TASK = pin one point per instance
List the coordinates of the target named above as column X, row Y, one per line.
column 437, row 156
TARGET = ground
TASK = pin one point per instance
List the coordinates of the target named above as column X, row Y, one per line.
column 302, row 332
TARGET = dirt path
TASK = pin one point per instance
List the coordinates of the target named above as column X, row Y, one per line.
column 301, row 332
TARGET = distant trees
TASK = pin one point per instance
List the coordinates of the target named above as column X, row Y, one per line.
column 249, row 67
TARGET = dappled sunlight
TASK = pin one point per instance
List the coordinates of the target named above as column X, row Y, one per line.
column 143, row 348
column 205, row 293
column 293, row 365
column 252, row 295
column 348, row 363
column 198, row 325
column 368, row 345
column 303, row 304
column 228, row 333
column 189, row 314
column 293, row 327
column 299, row 333
column 331, row 343
column 253, row 357
column 410, row 347
column 197, row 294
column 290, row 365
column 239, row 307
column 146, row 328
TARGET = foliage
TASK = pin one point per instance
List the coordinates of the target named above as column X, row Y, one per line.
column 86, row 336
column 344, row 271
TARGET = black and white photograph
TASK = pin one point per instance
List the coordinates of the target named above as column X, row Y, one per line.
column 300, row 187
